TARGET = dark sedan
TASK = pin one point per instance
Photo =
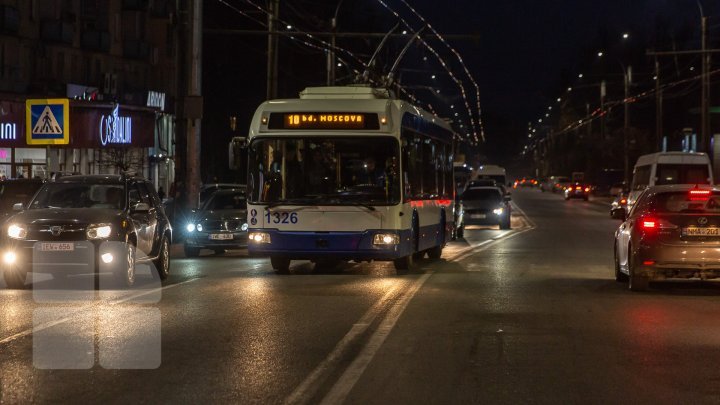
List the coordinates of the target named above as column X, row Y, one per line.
column 577, row 190
column 221, row 223
column 486, row 206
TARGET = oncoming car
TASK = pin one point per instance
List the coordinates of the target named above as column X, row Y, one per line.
column 672, row 231
column 221, row 223
column 88, row 224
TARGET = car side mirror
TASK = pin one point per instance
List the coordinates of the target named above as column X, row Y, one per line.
column 18, row 207
column 141, row 207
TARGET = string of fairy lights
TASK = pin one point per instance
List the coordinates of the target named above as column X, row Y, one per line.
column 609, row 106
column 306, row 39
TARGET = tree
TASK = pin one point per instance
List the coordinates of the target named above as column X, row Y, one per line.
column 122, row 159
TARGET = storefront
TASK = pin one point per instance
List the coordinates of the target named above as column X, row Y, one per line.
column 104, row 138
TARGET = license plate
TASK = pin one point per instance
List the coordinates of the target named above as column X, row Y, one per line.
column 221, row 236
column 477, row 216
column 57, row 247
column 695, row 231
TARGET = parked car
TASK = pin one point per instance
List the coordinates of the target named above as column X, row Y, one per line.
column 221, row 223
column 578, row 190
column 486, row 206
column 88, row 224
column 672, row 231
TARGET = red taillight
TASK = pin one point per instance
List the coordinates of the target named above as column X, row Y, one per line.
column 623, row 201
column 699, row 195
column 587, row 189
column 648, row 223
column 648, row 262
column 578, row 188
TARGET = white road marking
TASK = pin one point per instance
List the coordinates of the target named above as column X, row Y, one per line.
column 73, row 314
column 340, row 390
column 352, row 374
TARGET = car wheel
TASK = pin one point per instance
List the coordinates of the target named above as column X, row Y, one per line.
column 636, row 281
column 162, row 263
column 125, row 274
column 505, row 223
column 281, row 265
column 15, row 278
column 191, row 251
column 620, row 277
column 404, row 264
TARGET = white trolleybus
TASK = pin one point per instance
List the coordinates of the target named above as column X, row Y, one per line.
column 348, row 173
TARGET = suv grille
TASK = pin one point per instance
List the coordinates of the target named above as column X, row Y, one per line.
column 230, row 225
column 60, row 232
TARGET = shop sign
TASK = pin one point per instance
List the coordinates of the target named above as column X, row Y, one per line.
column 115, row 129
column 8, row 131
column 156, row 99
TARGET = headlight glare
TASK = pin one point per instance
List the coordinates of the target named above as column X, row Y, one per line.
column 190, row 227
column 259, row 237
column 244, row 227
column 198, row 227
column 386, row 239
column 16, row 231
column 99, row 231
column 498, row 211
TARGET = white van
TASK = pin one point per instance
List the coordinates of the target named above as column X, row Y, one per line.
column 669, row 168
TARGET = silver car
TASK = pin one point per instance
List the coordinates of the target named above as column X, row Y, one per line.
column 672, row 231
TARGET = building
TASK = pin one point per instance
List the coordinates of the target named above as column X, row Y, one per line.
column 116, row 62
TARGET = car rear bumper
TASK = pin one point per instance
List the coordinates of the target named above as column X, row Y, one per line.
column 668, row 261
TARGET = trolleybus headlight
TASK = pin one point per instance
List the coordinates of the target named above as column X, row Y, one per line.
column 386, row 239
column 190, row 227
column 259, row 237
column 498, row 211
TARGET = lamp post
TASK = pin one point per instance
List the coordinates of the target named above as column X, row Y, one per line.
column 331, row 51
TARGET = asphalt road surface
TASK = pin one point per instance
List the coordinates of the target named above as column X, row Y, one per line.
column 530, row 315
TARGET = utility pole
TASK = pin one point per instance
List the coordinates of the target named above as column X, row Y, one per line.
column 705, row 97
column 194, row 112
column 658, row 107
column 602, row 110
column 331, row 52
column 272, row 56
column 627, row 75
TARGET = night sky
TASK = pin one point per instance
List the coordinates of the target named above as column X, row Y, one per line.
column 525, row 53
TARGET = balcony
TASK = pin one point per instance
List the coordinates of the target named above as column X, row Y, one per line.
column 98, row 41
column 57, row 31
column 9, row 19
column 136, row 49
column 135, row 5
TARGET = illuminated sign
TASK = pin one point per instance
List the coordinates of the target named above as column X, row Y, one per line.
column 8, row 131
column 311, row 120
column 115, row 129
column 47, row 121
column 156, row 99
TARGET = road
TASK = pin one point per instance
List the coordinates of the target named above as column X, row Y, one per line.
column 530, row 315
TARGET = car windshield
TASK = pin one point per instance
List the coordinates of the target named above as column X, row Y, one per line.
column 315, row 170
column 80, row 195
column 226, row 201
column 678, row 202
column 16, row 192
column 486, row 194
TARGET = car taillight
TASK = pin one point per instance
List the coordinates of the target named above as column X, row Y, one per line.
column 648, row 223
column 587, row 189
column 623, row 201
column 578, row 188
column 699, row 195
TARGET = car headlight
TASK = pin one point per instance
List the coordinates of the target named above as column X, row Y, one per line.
column 190, row 227
column 244, row 227
column 198, row 227
column 498, row 211
column 99, row 231
column 386, row 239
column 16, row 231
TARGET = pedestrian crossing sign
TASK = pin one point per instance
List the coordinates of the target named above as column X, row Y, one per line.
column 47, row 121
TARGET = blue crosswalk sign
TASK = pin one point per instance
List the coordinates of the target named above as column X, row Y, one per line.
column 48, row 121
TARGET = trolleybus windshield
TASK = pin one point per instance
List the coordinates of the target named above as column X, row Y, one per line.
column 324, row 170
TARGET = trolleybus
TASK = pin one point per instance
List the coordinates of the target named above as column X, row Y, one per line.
column 348, row 174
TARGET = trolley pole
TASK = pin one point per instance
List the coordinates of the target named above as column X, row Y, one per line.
column 272, row 53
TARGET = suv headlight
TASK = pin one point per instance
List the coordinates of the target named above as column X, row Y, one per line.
column 99, row 231
column 16, row 231
column 498, row 211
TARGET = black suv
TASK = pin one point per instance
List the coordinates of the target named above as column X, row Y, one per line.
column 88, row 224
